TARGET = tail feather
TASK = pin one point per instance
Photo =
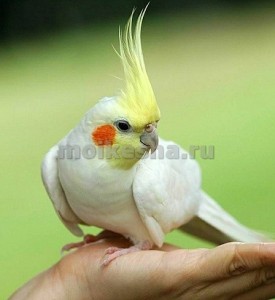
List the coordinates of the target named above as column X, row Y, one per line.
column 214, row 224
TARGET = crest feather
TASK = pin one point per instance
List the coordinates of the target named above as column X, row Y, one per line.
column 138, row 93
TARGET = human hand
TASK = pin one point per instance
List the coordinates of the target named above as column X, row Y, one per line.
column 233, row 270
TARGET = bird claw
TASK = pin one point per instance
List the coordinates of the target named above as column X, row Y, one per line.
column 112, row 250
column 112, row 253
column 87, row 239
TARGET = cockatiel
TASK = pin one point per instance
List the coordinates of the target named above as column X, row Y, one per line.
column 125, row 188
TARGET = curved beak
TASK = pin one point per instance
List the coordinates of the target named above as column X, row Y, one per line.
column 150, row 138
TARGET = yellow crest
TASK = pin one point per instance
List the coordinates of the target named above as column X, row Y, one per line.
column 137, row 96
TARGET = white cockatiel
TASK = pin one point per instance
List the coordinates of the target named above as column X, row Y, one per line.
column 123, row 187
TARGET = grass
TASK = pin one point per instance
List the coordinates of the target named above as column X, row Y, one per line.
column 214, row 79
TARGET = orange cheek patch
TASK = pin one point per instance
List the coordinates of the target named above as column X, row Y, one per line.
column 104, row 135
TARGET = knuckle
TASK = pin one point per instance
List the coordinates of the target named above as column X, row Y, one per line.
column 184, row 278
column 236, row 268
column 237, row 264
column 168, row 284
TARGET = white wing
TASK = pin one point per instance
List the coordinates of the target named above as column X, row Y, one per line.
column 168, row 195
column 167, row 190
column 54, row 189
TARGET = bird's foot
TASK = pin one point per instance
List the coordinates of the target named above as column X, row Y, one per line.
column 114, row 252
column 88, row 239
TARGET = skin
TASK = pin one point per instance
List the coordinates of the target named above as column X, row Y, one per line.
column 231, row 271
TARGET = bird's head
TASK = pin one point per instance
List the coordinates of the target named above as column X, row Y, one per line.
column 128, row 122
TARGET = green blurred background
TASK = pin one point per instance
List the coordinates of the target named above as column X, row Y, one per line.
column 213, row 72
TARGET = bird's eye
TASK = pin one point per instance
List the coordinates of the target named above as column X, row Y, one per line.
column 123, row 125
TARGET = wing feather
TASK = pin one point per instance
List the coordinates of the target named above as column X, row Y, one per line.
column 165, row 191
column 49, row 171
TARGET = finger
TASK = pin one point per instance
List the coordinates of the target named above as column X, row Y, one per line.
column 263, row 292
column 236, row 258
column 241, row 284
column 98, row 248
